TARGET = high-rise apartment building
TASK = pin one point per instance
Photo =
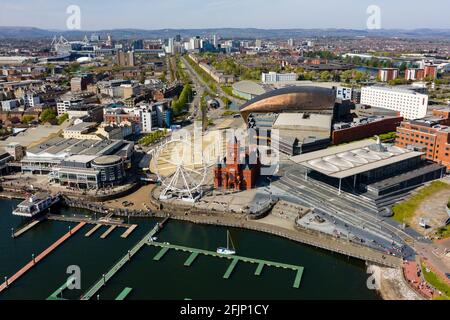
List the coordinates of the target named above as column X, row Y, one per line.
column 387, row 74
column 125, row 59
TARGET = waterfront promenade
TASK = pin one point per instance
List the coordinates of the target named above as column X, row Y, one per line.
column 40, row 257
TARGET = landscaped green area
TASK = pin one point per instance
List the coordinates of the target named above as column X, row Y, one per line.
column 444, row 232
column 388, row 136
column 229, row 91
column 181, row 72
column 404, row 212
column 152, row 137
column 436, row 282
column 230, row 113
column 234, row 66
column 179, row 105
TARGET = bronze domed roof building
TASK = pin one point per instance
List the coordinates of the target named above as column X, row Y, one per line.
column 304, row 99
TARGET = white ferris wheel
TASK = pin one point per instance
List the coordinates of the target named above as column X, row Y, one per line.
column 181, row 170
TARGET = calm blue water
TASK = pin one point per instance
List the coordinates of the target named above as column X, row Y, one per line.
column 326, row 276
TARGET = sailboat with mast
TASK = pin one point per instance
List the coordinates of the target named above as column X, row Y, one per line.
column 228, row 251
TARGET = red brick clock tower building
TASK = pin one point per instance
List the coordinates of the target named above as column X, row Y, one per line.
column 235, row 171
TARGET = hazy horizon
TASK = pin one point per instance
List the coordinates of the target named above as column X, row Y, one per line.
column 217, row 14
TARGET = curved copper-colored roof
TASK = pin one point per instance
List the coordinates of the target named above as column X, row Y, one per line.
column 291, row 99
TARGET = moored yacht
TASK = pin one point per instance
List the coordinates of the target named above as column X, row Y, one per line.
column 35, row 205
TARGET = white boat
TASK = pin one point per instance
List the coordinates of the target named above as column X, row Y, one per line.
column 227, row 251
column 35, row 205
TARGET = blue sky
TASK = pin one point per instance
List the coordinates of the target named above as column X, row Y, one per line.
column 271, row 14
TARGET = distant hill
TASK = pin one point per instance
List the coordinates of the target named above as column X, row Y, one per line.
column 232, row 33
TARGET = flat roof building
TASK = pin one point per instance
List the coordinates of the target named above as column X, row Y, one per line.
column 409, row 103
column 44, row 157
column 360, row 165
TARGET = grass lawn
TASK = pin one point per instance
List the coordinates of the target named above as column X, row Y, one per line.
column 230, row 113
column 229, row 91
column 405, row 211
column 443, row 232
column 436, row 282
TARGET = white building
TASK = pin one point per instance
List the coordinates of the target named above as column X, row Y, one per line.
column 10, row 105
column 170, row 49
column 273, row 77
column 409, row 103
column 30, row 100
column 148, row 117
column 63, row 106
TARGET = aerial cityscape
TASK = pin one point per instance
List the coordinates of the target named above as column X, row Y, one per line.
column 192, row 160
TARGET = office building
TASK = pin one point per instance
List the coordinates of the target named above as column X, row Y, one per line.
column 408, row 103
column 65, row 104
column 274, row 77
column 30, row 100
column 430, row 135
column 9, row 105
column 79, row 84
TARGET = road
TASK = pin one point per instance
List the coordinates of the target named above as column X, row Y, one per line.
column 199, row 86
column 199, row 81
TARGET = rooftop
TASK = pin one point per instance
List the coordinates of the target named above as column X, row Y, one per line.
column 353, row 159
column 83, row 126
column 296, row 120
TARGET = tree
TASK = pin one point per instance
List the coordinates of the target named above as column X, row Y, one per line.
column 27, row 119
column 63, row 118
column 179, row 104
column 163, row 76
column 48, row 115
column 325, row 76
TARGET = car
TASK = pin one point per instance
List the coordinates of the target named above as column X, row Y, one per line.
column 447, row 275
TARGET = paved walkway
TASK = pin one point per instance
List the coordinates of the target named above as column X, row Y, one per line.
column 40, row 257
column 437, row 256
column 413, row 274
